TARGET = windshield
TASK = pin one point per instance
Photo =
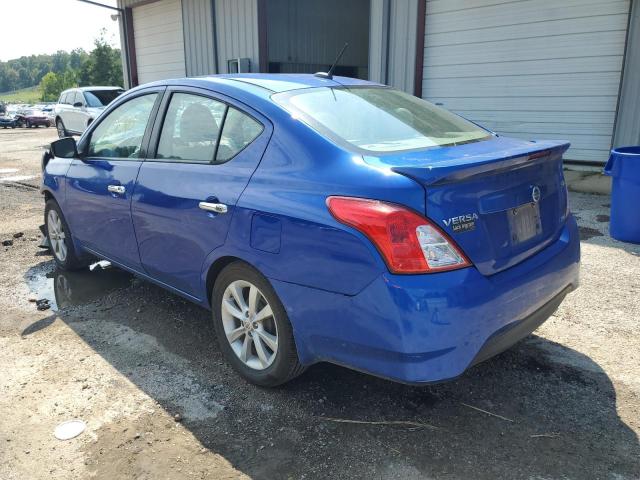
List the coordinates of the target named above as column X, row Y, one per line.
column 378, row 119
column 101, row 98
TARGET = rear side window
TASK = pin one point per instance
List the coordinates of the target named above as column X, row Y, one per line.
column 191, row 128
column 378, row 119
column 64, row 96
column 120, row 133
column 239, row 131
column 101, row 98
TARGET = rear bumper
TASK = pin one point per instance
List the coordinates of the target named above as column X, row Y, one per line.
column 429, row 328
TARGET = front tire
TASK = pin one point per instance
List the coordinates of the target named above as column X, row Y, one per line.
column 27, row 124
column 62, row 132
column 60, row 239
column 253, row 328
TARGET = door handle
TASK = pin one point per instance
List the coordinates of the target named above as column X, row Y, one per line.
column 116, row 189
column 213, row 207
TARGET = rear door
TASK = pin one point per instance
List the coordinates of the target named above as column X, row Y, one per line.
column 207, row 147
column 72, row 116
column 101, row 182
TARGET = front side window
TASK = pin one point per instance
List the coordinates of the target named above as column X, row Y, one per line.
column 191, row 128
column 120, row 134
column 78, row 98
column 378, row 119
column 239, row 131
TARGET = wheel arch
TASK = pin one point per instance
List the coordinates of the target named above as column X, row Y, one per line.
column 214, row 270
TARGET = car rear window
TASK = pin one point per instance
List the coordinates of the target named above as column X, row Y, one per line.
column 101, row 98
column 378, row 119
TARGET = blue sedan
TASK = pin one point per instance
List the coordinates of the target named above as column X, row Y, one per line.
column 321, row 219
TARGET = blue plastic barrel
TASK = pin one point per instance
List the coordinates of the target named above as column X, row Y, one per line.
column 624, row 167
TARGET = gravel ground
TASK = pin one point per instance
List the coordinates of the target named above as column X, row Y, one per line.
column 140, row 367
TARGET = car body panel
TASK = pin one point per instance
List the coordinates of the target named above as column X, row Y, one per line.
column 344, row 304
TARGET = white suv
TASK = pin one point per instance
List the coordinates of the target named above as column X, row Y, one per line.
column 78, row 107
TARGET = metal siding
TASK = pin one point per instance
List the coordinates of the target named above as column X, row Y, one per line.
column 306, row 35
column 378, row 30
column 402, row 44
column 530, row 69
column 123, row 54
column 158, row 33
column 237, row 32
column 628, row 122
column 200, row 56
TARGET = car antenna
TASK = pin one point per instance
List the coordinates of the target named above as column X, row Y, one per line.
column 329, row 74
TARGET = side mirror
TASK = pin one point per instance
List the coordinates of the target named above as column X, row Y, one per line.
column 64, row 148
column 78, row 104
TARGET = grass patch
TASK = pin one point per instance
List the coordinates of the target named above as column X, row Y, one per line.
column 26, row 95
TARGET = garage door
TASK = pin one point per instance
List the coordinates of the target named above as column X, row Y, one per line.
column 530, row 69
column 159, row 42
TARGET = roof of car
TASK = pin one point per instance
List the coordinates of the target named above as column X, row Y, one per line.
column 264, row 84
column 84, row 89
column 279, row 82
column 256, row 89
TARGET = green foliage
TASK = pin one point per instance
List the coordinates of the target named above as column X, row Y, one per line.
column 62, row 70
column 26, row 95
column 51, row 84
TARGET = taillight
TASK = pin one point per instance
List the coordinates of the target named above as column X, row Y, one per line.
column 408, row 242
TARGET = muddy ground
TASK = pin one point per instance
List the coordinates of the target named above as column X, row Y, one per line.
column 127, row 358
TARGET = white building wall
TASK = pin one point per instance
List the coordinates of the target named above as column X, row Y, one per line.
column 530, row 69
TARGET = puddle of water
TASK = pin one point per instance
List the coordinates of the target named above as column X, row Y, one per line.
column 17, row 178
column 63, row 289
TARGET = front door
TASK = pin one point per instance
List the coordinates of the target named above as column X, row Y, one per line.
column 207, row 149
column 100, row 184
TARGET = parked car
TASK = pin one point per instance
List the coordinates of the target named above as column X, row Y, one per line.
column 78, row 107
column 33, row 118
column 321, row 219
column 9, row 121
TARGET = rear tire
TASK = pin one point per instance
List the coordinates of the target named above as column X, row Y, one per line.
column 60, row 239
column 255, row 336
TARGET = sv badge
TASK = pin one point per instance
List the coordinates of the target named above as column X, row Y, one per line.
column 462, row 223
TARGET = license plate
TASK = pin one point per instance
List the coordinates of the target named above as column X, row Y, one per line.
column 524, row 222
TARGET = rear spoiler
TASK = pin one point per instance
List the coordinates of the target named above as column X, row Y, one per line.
column 451, row 171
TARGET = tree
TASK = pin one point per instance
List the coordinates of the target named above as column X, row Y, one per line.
column 52, row 85
column 103, row 66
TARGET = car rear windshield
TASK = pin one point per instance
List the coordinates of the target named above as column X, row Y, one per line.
column 378, row 119
column 101, row 98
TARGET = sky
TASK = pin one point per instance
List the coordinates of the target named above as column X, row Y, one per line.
column 46, row 26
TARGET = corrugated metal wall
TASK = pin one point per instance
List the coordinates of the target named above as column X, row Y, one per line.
column 199, row 45
column 237, row 32
column 158, row 32
column 306, row 35
column 378, row 38
column 628, row 121
column 392, row 42
column 530, row 69
column 402, row 44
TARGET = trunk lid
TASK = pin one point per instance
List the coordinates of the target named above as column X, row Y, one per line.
column 501, row 200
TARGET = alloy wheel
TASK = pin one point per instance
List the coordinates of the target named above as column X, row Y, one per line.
column 60, row 129
column 55, row 232
column 249, row 325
